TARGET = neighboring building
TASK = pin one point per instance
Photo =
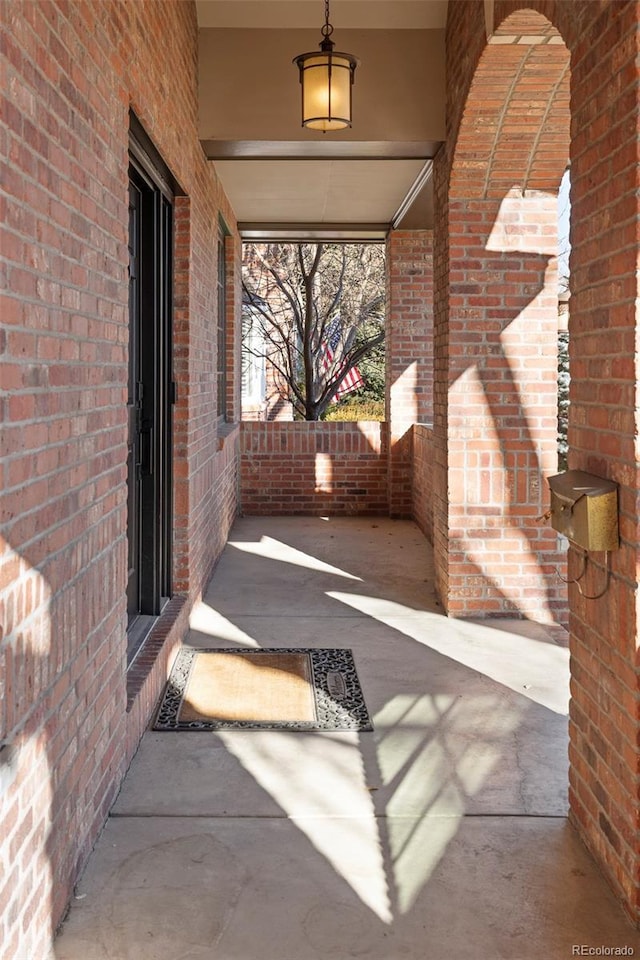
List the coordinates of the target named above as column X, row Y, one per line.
column 264, row 391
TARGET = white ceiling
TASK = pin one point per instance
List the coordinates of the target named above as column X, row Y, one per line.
column 283, row 180
column 255, row 181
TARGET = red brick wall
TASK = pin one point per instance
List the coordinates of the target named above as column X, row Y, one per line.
column 497, row 360
column 309, row 468
column 408, row 354
column 440, row 478
column 490, row 152
column 204, row 480
column 502, row 409
column 603, row 430
column 72, row 73
column 422, row 478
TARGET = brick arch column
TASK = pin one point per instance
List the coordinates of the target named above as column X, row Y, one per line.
column 508, row 138
column 498, row 367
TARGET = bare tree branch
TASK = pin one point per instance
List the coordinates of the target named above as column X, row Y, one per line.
column 318, row 309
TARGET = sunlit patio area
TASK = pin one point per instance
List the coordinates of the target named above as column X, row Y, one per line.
column 441, row 834
column 491, row 808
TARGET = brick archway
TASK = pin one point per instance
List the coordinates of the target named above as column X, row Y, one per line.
column 500, row 357
column 496, row 178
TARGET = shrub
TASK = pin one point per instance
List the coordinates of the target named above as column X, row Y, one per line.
column 356, row 409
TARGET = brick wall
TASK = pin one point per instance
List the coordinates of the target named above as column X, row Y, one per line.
column 440, row 479
column 500, row 353
column 502, row 412
column 422, row 478
column 337, row 468
column 72, row 73
column 603, row 430
column 510, row 154
column 202, row 475
column 408, row 354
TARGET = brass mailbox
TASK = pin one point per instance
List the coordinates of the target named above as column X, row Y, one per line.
column 585, row 509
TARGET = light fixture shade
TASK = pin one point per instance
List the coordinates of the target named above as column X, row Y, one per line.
column 326, row 78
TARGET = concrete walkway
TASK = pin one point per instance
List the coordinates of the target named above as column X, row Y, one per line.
column 441, row 835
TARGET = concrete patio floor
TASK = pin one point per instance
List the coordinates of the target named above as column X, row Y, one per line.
column 441, row 835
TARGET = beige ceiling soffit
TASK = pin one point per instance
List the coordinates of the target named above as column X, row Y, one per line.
column 346, row 14
column 488, row 18
column 413, row 192
column 319, row 150
column 303, row 232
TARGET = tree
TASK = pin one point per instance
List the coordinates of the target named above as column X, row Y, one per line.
column 319, row 309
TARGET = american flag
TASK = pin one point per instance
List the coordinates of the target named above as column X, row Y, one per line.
column 352, row 379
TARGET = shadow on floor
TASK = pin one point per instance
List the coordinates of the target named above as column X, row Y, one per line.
column 441, row 835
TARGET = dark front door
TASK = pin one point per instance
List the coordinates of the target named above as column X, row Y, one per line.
column 134, row 461
column 149, row 396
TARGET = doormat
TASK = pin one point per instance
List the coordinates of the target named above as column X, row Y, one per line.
column 267, row 689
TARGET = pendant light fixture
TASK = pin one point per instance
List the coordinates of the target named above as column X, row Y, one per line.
column 326, row 79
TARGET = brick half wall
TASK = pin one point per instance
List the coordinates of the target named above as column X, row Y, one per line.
column 309, row 468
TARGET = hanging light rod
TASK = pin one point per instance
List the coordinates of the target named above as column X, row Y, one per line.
column 326, row 79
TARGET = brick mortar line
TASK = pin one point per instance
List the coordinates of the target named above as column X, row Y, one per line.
column 596, row 233
column 63, row 389
column 550, row 105
column 45, row 692
column 627, row 851
column 109, row 232
column 70, row 585
column 56, row 446
column 596, row 191
column 23, row 425
column 603, row 141
column 477, row 94
column 72, row 311
column 10, row 359
column 31, row 452
column 628, row 301
column 61, row 523
column 634, row 694
column 90, row 481
column 92, row 271
column 47, row 83
column 603, row 68
column 64, row 333
column 42, row 43
column 604, row 333
column 80, row 37
column 50, row 193
column 586, row 695
column 65, row 284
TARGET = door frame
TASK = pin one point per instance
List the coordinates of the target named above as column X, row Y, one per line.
column 151, row 388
